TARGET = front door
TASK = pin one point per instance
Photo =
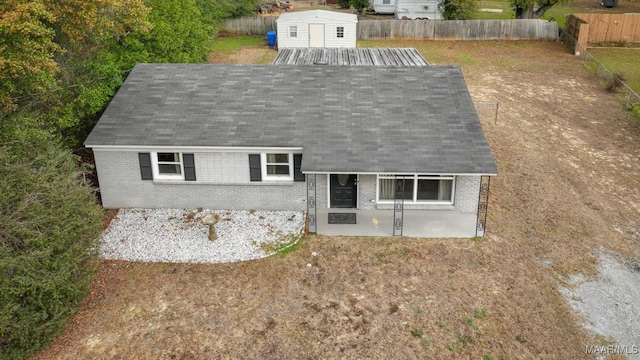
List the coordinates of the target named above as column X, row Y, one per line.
column 344, row 190
column 316, row 35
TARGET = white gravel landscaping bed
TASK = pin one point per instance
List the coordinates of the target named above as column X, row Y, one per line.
column 178, row 235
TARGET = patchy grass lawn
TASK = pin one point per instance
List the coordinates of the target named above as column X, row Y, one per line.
column 558, row 12
column 568, row 185
column 241, row 49
column 623, row 61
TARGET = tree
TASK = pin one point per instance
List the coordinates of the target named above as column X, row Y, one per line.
column 26, row 51
column 213, row 11
column 359, row 5
column 90, row 70
column 55, row 59
column 49, row 223
column 179, row 34
column 80, row 23
column 458, row 9
column 532, row 9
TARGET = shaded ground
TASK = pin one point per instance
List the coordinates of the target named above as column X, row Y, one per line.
column 568, row 185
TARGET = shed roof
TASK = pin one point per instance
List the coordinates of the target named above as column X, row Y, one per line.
column 350, row 56
column 320, row 14
column 347, row 119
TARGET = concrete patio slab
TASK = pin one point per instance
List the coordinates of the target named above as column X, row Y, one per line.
column 417, row 223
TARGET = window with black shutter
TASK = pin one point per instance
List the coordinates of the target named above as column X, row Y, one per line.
column 189, row 167
column 255, row 170
column 297, row 162
column 145, row 166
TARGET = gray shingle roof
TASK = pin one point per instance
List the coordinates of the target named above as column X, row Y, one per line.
column 347, row 119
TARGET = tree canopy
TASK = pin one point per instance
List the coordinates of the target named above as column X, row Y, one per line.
column 49, row 222
column 359, row 5
column 27, row 50
column 532, row 9
column 60, row 64
column 458, row 9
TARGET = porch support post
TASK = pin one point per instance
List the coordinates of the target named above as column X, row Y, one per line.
column 312, row 214
column 398, row 206
column 483, row 205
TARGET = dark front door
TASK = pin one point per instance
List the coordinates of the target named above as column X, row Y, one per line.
column 344, row 190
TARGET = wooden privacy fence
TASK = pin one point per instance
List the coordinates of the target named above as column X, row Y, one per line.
column 585, row 29
column 254, row 25
column 458, row 29
column 423, row 29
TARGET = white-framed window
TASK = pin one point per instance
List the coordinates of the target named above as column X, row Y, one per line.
column 293, row 31
column 436, row 189
column 167, row 166
column 386, row 2
column 340, row 31
column 277, row 166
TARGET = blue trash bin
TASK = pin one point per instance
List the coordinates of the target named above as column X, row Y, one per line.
column 271, row 37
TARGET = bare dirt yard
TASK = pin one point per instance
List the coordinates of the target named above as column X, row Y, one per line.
column 568, row 187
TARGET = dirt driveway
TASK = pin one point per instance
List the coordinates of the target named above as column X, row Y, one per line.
column 568, row 185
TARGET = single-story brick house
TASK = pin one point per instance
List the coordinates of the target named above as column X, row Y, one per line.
column 310, row 138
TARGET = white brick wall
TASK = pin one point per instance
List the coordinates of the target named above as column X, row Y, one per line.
column 224, row 183
column 222, row 168
column 367, row 192
column 467, row 192
column 121, row 185
column 322, row 183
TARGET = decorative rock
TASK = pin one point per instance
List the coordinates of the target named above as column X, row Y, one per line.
column 151, row 237
column 210, row 219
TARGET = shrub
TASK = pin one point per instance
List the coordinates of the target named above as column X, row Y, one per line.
column 360, row 5
column 458, row 9
column 614, row 83
column 344, row 4
column 49, row 223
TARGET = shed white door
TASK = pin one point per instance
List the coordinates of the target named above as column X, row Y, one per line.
column 316, row 35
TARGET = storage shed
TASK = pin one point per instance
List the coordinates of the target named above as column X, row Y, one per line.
column 317, row 28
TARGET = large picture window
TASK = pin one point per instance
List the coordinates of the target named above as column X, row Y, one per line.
column 417, row 188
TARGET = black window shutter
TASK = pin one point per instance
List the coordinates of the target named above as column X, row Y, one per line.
column 297, row 162
column 145, row 166
column 189, row 167
column 255, row 172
